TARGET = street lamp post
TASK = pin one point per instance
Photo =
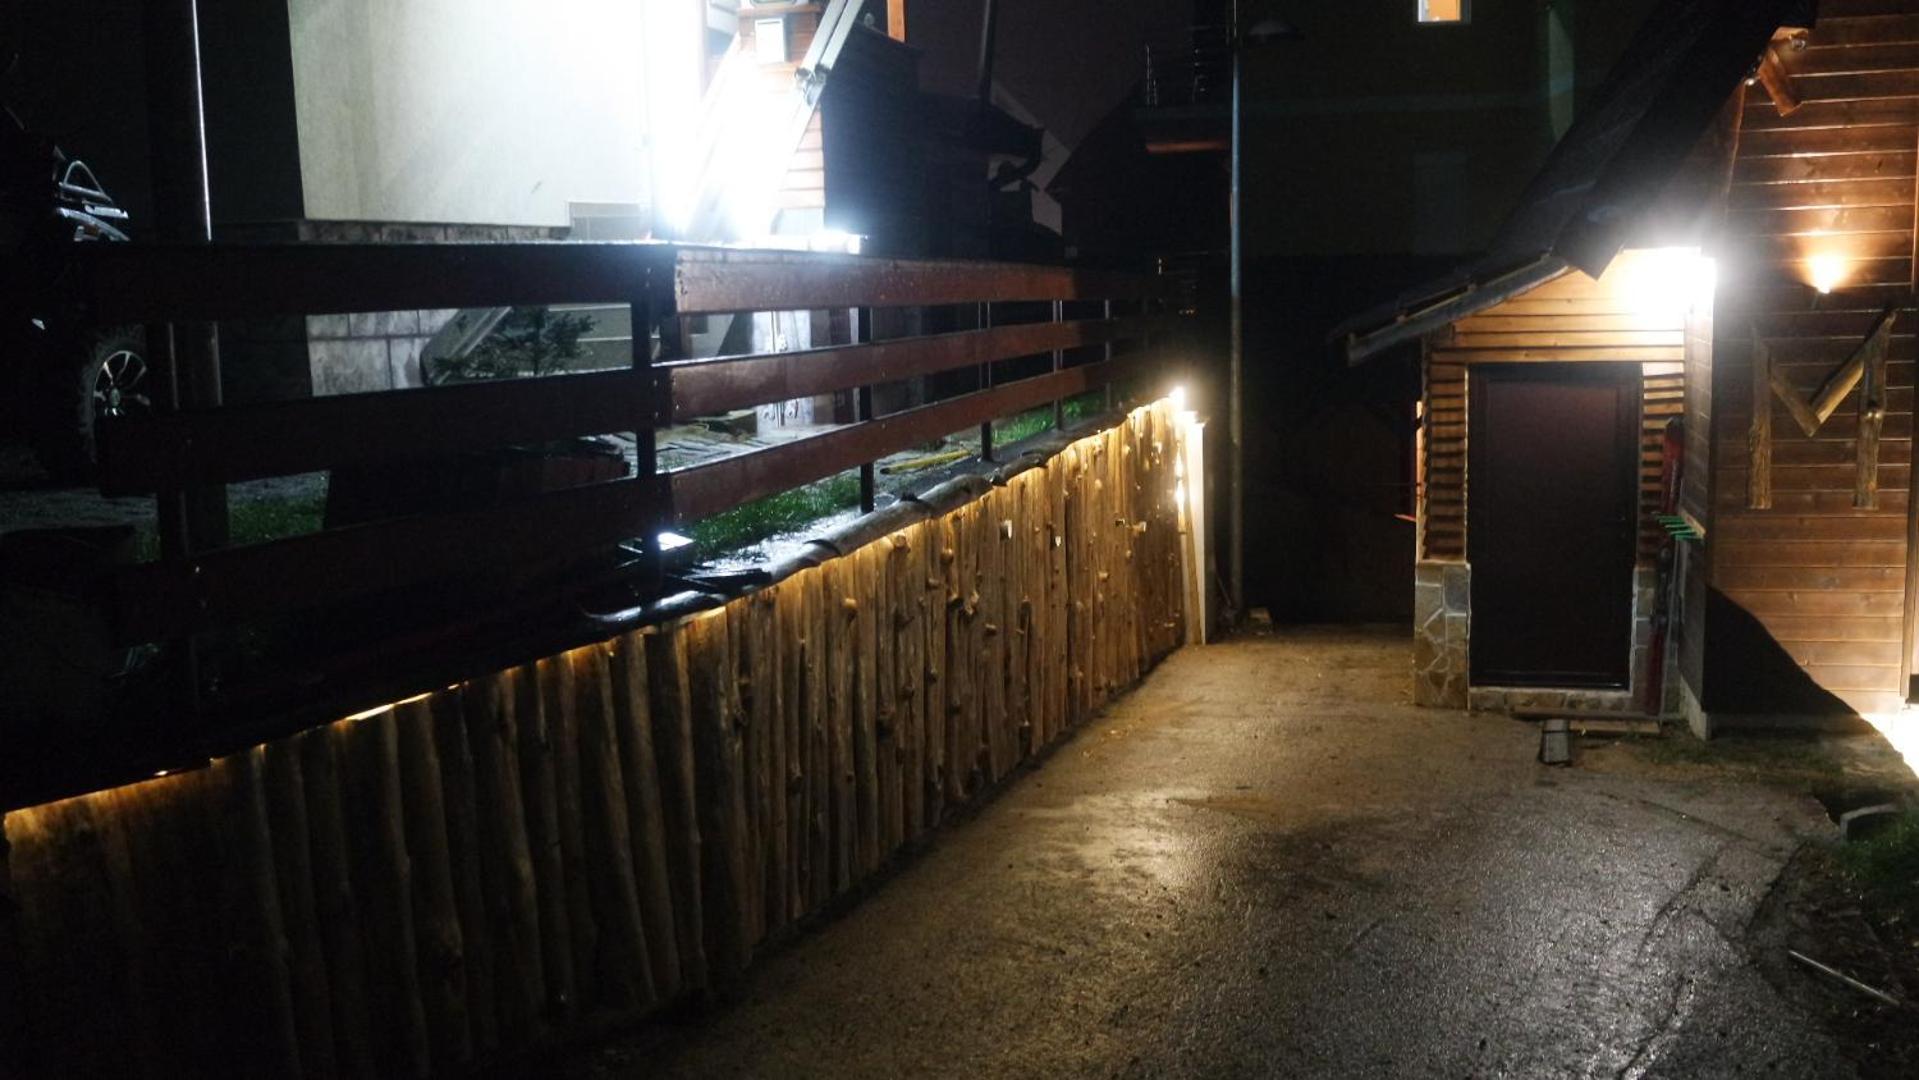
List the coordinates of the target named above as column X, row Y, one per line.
column 1261, row 33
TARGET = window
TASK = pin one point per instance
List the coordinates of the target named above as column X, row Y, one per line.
column 769, row 41
column 1445, row 11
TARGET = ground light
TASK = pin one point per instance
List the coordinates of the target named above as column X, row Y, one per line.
column 1901, row 731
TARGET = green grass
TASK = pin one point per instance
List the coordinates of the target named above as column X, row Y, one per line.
column 258, row 520
column 252, row 521
column 1034, row 421
column 746, row 525
column 1887, row 865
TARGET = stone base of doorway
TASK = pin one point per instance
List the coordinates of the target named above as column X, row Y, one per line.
column 1524, row 700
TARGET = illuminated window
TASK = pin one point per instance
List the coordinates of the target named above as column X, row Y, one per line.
column 769, row 41
column 1445, row 11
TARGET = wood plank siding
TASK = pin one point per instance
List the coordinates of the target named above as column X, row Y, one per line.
column 1824, row 195
column 1570, row 319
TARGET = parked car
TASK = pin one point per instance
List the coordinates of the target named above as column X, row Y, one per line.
column 59, row 378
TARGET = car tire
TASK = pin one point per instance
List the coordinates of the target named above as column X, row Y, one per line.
column 104, row 373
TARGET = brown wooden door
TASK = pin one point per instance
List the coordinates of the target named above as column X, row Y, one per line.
column 1552, row 503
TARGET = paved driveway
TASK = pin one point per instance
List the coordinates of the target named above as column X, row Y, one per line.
column 1267, row 862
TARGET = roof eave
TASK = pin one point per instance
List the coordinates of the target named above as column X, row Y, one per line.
column 1470, row 299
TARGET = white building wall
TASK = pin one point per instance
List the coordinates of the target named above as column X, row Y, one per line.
column 487, row 111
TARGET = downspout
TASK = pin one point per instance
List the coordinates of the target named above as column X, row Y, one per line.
column 989, row 27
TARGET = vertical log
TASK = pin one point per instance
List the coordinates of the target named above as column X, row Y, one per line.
column 906, row 577
column 383, row 879
column 436, row 912
column 257, row 1022
column 12, row 964
column 1014, row 607
column 671, row 706
column 739, row 632
column 960, row 742
column 560, row 698
column 458, row 794
column 79, row 1018
column 886, row 698
column 335, row 902
column 490, row 707
column 717, row 756
column 820, row 676
column 842, row 645
column 539, row 784
column 996, row 750
column 860, row 570
column 766, row 719
column 1027, row 598
column 789, row 609
column 1759, row 433
column 933, row 716
column 1058, row 600
column 646, row 821
column 285, row 790
column 624, row 974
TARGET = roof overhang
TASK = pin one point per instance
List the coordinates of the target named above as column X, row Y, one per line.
column 1440, row 309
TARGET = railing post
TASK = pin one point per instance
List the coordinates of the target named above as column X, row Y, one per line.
column 863, row 406
column 1106, row 352
column 986, row 383
column 1059, row 364
column 649, row 311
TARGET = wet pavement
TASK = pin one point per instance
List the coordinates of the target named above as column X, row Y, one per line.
column 1266, row 862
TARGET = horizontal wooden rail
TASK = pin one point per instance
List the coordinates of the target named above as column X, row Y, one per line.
column 149, row 283
column 715, row 280
column 707, row 387
column 286, row 438
column 708, row 489
column 230, row 585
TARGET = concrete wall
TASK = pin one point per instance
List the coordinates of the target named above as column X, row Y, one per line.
column 488, row 111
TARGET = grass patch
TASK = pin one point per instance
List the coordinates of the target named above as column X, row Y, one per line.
column 258, row 520
column 1797, row 763
column 1023, row 426
column 746, row 525
column 1887, row 865
column 251, row 521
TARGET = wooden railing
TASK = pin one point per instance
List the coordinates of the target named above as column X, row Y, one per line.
column 195, row 588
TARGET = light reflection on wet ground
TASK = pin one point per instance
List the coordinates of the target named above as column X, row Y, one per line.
column 1266, row 862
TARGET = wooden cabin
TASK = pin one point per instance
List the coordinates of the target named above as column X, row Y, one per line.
column 1666, row 455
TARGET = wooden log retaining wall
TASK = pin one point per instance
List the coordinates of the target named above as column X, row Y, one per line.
column 474, row 873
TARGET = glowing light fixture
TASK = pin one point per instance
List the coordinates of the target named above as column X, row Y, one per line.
column 1828, row 271
column 1178, row 397
column 1667, row 281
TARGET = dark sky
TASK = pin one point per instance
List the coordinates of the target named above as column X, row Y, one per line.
column 1069, row 61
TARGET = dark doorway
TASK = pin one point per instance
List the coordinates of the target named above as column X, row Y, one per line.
column 1552, row 506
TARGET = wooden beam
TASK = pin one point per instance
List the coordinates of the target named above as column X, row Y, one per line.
column 234, row 584
column 708, row 489
column 706, row 387
column 1778, row 82
column 287, row 438
column 1872, row 417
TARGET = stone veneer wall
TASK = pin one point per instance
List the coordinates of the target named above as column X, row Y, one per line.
column 1442, row 639
column 1442, row 622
